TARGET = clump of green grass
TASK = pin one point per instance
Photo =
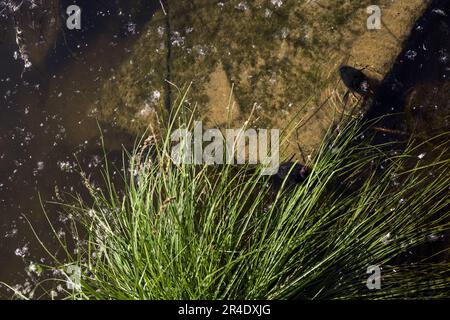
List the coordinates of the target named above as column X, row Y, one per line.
column 223, row 232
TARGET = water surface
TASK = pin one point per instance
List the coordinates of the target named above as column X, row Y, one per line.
column 46, row 132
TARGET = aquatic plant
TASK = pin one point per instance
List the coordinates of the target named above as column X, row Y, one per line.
column 224, row 232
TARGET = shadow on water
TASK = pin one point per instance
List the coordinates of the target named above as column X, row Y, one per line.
column 415, row 96
column 416, row 90
column 46, row 133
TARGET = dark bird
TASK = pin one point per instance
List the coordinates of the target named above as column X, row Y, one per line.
column 293, row 172
column 356, row 81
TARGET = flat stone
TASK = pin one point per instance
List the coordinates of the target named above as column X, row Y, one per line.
column 282, row 58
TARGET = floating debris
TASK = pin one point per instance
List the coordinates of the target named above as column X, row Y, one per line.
column 439, row 12
column 411, row 54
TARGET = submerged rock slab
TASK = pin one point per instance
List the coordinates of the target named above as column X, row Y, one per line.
column 281, row 56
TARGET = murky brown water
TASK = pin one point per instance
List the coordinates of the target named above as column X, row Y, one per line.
column 46, row 134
